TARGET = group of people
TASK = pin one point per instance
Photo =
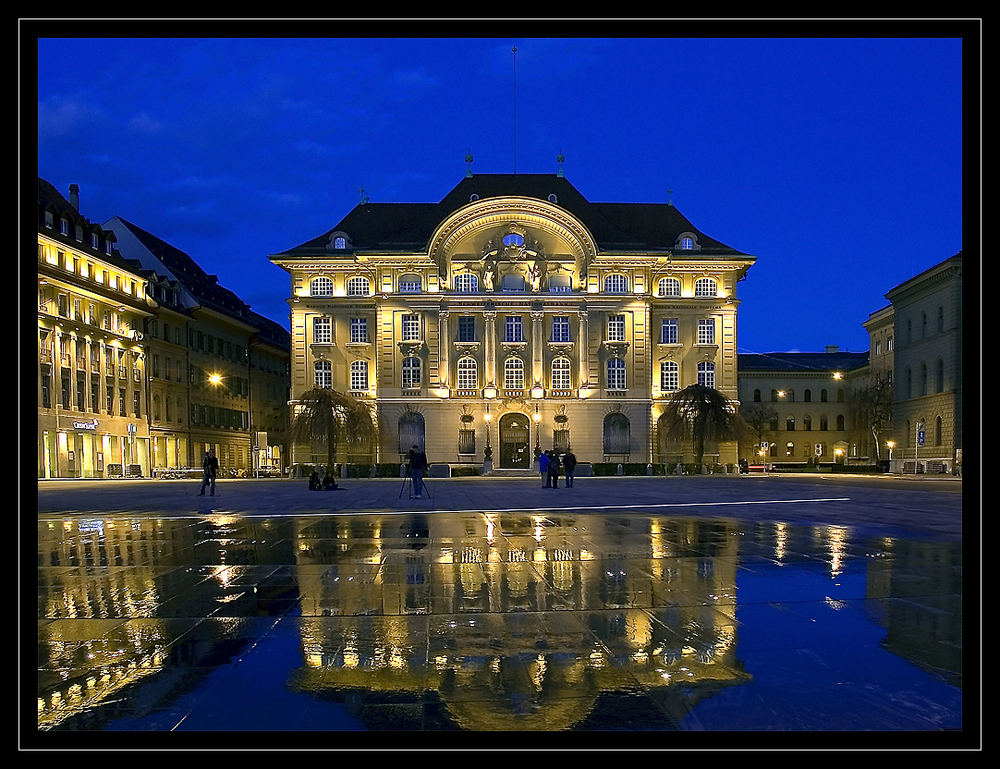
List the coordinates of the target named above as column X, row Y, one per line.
column 326, row 483
column 551, row 465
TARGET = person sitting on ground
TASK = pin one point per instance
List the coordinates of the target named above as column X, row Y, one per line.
column 314, row 482
column 329, row 482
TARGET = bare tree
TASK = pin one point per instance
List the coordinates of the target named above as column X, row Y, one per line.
column 758, row 418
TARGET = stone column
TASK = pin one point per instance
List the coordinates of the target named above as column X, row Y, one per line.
column 444, row 362
column 489, row 358
column 583, row 349
column 536, row 347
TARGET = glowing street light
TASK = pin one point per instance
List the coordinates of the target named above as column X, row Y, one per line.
column 215, row 379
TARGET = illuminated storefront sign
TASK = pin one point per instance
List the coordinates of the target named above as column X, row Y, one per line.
column 89, row 425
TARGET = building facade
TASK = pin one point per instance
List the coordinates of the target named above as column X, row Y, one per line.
column 925, row 357
column 92, row 309
column 207, row 349
column 511, row 316
column 802, row 407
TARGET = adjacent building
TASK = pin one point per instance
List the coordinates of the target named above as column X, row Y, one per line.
column 207, row 351
column 514, row 315
column 92, row 309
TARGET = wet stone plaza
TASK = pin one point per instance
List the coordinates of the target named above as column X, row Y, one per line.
column 620, row 605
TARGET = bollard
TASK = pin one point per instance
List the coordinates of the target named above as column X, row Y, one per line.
column 620, row 470
column 649, row 468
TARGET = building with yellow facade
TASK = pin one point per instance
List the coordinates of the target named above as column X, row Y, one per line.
column 514, row 315
column 92, row 309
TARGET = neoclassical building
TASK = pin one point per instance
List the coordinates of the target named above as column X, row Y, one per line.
column 511, row 315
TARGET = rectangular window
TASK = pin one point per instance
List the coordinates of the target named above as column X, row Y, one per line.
column 411, row 327
column 668, row 331
column 466, row 441
column 81, row 392
column 560, row 328
column 616, row 328
column 359, row 329
column 95, row 393
column 321, row 331
column 136, row 403
column 46, row 386
column 121, row 402
column 513, row 331
column 466, row 328
column 706, row 331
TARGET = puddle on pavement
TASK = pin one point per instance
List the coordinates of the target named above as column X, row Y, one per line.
column 493, row 622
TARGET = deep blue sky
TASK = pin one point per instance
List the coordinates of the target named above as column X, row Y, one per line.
column 836, row 162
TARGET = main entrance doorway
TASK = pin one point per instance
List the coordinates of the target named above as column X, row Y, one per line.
column 515, row 433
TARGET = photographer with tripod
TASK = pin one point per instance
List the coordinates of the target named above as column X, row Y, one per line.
column 418, row 465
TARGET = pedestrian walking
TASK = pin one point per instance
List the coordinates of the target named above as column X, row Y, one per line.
column 543, row 467
column 418, row 464
column 569, row 465
column 554, row 469
column 210, row 468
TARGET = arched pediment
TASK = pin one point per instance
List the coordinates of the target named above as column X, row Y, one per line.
column 541, row 230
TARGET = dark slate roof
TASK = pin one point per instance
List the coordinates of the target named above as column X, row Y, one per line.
column 802, row 361
column 49, row 198
column 270, row 332
column 204, row 287
column 615, row 226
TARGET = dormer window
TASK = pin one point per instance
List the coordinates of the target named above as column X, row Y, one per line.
column 49, row 219
column 63, row 227
column 687, row 243
column 94, row 240
column 107, row 247
column 340, row 242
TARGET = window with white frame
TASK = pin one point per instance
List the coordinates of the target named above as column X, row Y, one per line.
column 340, row 242
column 561, row 368
column 411, row 373
column 616, row 374
column 615, row 284
column 468, row 373
column 706, row 374
column 669, row 376
column 411, row 327
column 687, row 243
column 359, row 375
column 359, row 330
column 513, row 374
column 513, row 330
column 321, row 287
column 467, row 282
column 668, row 331
column 560, row 328
column 668, row 287
column 705, row 287
column 616, row 328
column 321, row 331
column 323, row 373
column 409, row 284
column 706, row 331
column 358, row 286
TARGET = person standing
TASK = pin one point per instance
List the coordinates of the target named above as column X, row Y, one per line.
column 554, row 470
column 543, row 467
column 418, row 463
column 569, row 465
column 210, row 468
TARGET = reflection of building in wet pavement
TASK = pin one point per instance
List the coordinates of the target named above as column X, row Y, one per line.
column 494, row 621
column 517, row 622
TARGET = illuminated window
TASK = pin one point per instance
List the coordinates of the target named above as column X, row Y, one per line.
column 323, row 374
column 466, row 283
column 615, row 284
column 668, row 287
column 321, row 331
column 668, row 331
column 321, row 287
column 616, row 374
column 409, row 284
column 411, row 373
column 706, row 331
column 340, row 242
column 358, row 286
column 561, row 368
column 687, row 243
column 513, row 374
column 468, row 373
column 513, row 330
column 359, row 375
column 705, row 287
column 411, row 327
column 669, row 376
column 616, row 328
column 706, row 374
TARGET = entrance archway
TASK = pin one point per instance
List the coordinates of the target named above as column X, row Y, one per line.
column 515, row 435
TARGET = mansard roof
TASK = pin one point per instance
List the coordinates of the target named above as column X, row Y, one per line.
column 647, row 227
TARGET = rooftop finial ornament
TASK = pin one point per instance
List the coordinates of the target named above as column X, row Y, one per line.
column 468, row 164
column 364, row 197
column 560, row 159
